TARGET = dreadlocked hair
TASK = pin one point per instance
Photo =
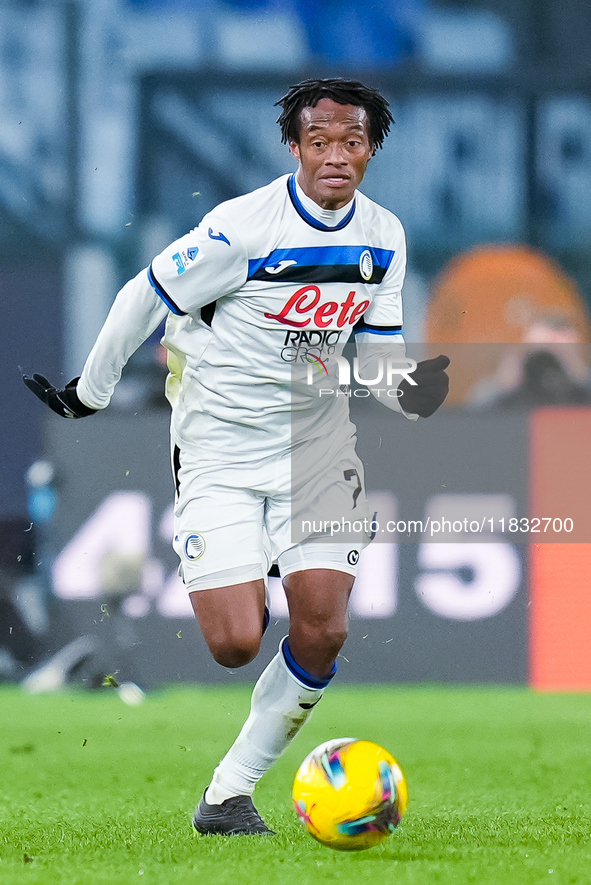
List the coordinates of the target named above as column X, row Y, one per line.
column 308, row 93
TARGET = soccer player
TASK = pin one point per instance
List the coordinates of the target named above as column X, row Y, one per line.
column 276, row 278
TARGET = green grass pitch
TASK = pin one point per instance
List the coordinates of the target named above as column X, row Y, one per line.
column 93, row 791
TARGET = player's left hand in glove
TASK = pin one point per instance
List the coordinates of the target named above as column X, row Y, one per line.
column 431, row 388
column 63, row 400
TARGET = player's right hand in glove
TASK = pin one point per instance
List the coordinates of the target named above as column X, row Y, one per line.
column 62, row 400
column 431, row 388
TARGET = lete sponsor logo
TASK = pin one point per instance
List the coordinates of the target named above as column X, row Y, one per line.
column 307, row 302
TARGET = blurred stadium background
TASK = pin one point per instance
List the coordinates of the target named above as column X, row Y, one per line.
column 122, row 124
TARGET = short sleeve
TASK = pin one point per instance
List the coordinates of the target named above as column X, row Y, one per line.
column 200, row 267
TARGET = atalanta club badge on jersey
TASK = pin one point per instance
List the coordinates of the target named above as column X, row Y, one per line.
column 366, row 265
column 194, row 546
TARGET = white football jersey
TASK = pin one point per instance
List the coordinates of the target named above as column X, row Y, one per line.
column 267, row 282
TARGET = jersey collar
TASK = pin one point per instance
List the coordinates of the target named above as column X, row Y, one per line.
column 297, row 197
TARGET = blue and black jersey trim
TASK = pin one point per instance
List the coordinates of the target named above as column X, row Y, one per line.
column 377, row 330
column 309, row 219
column 162, row 293
column 322, row 264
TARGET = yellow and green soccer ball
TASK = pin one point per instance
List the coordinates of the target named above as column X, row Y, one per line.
column 350, row 794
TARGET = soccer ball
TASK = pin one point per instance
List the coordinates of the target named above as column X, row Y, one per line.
column 350, row 794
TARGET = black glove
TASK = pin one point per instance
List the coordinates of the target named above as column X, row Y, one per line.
column 64, row 401
column 431, row 388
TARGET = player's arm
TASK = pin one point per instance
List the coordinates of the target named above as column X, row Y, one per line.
column 135, row 314
column 209, row 262
column 414, row 389
column 381, row 354
column 63, row 401
column 419, row 388
column 194, row 270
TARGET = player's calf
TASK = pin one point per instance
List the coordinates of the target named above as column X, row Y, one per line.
column 316, row 647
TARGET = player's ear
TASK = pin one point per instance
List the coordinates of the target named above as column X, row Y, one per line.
column 294, row 150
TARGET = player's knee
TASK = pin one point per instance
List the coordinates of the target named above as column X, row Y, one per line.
column 236, row 652
column 333, row 639
column 328, row 637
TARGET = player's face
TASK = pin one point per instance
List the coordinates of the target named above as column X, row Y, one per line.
column 333, row 151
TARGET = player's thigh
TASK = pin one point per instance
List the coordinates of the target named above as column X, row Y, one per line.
column 231, row 620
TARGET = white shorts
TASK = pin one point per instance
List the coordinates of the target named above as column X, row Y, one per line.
column 232, row 521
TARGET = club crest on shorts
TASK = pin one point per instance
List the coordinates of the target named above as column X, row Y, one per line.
column 353, row 557
column 194, row 546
